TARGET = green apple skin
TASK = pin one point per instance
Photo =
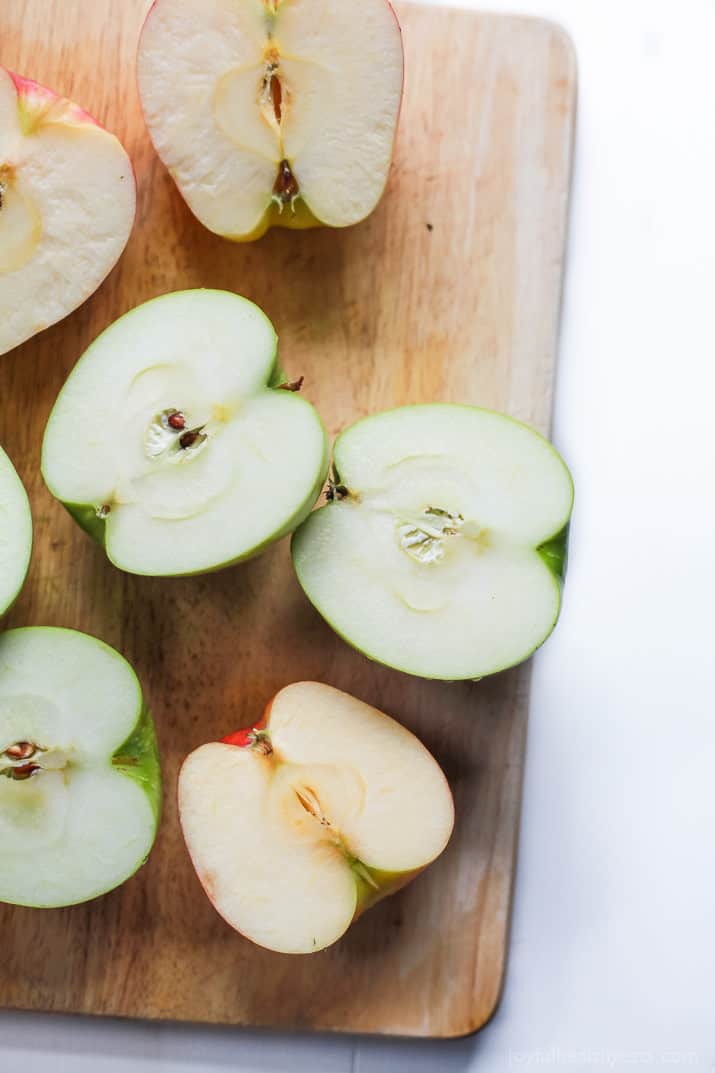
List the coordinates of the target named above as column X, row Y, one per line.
column 138, row 759
column 553, row 552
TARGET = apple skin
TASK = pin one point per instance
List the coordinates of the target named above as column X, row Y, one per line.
column 35, row 100
column 302, row 219
column 138, row 758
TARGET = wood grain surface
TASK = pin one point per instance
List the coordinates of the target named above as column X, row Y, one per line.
column 449, row 291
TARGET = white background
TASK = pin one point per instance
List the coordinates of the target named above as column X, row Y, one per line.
column 612, row 963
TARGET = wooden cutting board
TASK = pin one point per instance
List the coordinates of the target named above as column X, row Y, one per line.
column 450, row 291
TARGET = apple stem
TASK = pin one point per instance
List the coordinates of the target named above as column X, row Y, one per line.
column 292, row 385
column 258, row 740
column 335, row 490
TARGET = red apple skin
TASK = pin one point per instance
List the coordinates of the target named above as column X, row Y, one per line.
column 388, row 882
column 27, row 88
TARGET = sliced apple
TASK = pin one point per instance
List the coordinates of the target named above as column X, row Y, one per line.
column 299, row 824
column 172, row 443
column 67, row 200
column 443, row 549
column 79, row 770
column 15, row 533
column 273, row 111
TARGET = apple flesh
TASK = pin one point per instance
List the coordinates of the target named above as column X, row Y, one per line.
column 273, row 111
column 299, row 824
column 79, row 769
column 15, row 533
column 173, row 444
column 442, row 550
column 67, row 201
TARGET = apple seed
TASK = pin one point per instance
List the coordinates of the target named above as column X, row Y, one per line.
column 285, row 188
column 26, row 771
column 191, row 437
column 176, row 420
column 292, row 385
column 21, row 750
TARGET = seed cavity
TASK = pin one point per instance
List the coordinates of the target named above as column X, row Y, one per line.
column 424, row 538
column 168, row 438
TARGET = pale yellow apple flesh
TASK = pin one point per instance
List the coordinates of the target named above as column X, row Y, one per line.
column 328, row 807
column 280, row 112
column 67, row 199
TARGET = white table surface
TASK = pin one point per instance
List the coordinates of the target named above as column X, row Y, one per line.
column 613, row 949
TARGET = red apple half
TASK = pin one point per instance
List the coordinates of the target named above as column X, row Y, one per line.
column 273, row 111
column 67, row 201
column 299, row 824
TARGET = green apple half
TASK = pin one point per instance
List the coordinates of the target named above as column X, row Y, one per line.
column 300, row 823
column 173, row 444
column 80, row 786
column 443, row 549
column 15, row 533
